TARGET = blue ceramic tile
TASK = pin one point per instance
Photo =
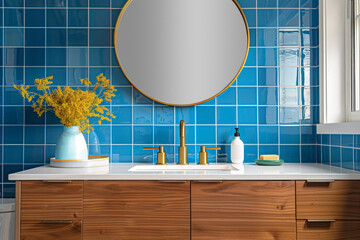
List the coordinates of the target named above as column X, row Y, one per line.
column 226, row 115
column 289, row 96
column 347, row 140
column 143, row 115
column 35, row 57
column 335, row 139
column 247, row 77
column 318, row 154
column 13, row 75
column 288, row 18
column 11, row 168
column 266, row 3
column 122, row 135
column 78, row 3
column 205, row 115
column 143, row 156
column 163, row 135
column 59, row 74
column 250, row 15
column 100, row 135
column 14, row 37
column 99, row 3
column 250, row 153
column 253, row 40
column 117, row 3
column 35, row 37
column 308, row 153
column 247, row 96
column 310, row 115
column 13, row 3
column 228, row 97
column 290, row 153
column 290, row 134
column 325, row 155
column 59, row 60
column 289, row 57
column 35, row 3
column 34, row 154
column 114, row 16
column 13, row 17
column 268, row 96
column 58, row 3
column 185, row 113
column 289, row 115
column 288, row 37
column 205, row 135
column 123, row 115
column 164, row 115
column 13, row 115
column 118, row 77
column 268, row 149
column 56, row 18
column 14, row 57
column 357, row 159
column 267, row 56
column 123, row 96
column 309, row 57
column 13, row 135
column 335, row 156
column 309, row 17
column 32, row 118
column 99, row 56
column 99, row 37
column 225, row 134
column 268, row 115
column 309, row 37
column 289, row 4
column 78, row 57
column 53, row 133
column 267, row 37
column 308, row 134
column 56, row 37
column 347, row 158
column 77, row 37
column 246, row 115
column 34, row 17
column 96, row 71
column 309, row 3
column 243, row 3
column 248, row 134
column 251, row 58
column 267, row 18
column 121, row 154
column 357, row 141
column 267, row 76
column 325, row 139
column 78, row 17
column 34, row 134
column 100, row 150
column 289, row 76
column 99, row 18
column 268, row 135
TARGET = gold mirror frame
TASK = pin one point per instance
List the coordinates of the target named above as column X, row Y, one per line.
column 182, row 105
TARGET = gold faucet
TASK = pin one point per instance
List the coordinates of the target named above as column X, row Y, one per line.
column 182, row 148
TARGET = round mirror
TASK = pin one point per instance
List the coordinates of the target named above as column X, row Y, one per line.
column 181, row 52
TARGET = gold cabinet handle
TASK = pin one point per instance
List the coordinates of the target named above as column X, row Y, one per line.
column 57, row 181
column 320, row 180
column 161, row 157
column 208, row 181
column 173, row 181
column 56, row 222
column 320, row 220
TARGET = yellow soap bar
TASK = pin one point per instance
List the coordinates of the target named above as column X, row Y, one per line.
column 269, row 157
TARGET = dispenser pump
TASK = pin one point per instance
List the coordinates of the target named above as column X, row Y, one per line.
column 237, row 134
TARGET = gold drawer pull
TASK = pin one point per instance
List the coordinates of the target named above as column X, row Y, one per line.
column 320, row 220
column 320, row 180
column 56, row 222
column 208, row 181
column 57, row 181
column 173, row 181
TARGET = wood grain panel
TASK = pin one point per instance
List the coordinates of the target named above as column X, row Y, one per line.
column 336, row 200
column 136, row 210
column 51, row 201
column 339, row 230
column 243, row 210
column 36, row 230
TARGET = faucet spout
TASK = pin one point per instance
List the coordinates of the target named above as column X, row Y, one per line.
column 182, row 148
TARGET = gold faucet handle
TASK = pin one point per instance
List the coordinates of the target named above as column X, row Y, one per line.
column 203, row 154
column 161, row 155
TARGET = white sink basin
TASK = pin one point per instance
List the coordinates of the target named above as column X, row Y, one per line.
column 215, row 167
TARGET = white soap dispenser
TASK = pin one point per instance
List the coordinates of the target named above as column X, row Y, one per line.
column 237, row 148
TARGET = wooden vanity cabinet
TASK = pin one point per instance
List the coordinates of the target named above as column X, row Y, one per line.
column 243, row 210
column 136, row 210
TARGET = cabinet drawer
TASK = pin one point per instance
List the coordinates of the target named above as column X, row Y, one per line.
column 51, row 200
column 339, row 230
column 332, row 200
column 50, row 230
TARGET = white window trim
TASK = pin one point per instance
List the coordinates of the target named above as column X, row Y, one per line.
column 335, row 97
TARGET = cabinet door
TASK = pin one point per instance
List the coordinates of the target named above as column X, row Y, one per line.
column 50, row 230
column 339, row 230
column 243, row 210
column 333, row 200
column 136, row 210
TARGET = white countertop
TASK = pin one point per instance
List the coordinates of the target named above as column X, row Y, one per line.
column 118, row 171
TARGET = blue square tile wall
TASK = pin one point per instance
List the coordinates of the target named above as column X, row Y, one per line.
column 274, row 101
column 339, row 150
